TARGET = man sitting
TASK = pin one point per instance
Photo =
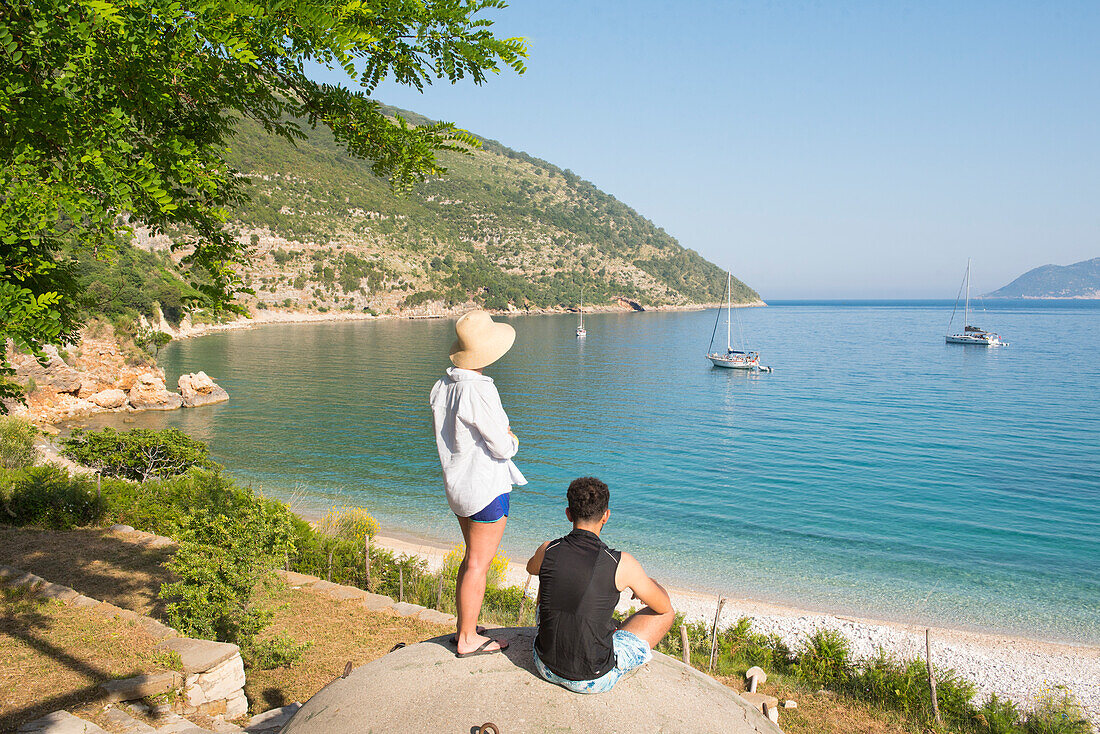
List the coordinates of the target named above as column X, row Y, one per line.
column 580, row 579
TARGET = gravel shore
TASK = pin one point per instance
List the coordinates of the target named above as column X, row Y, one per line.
column 1011, row 667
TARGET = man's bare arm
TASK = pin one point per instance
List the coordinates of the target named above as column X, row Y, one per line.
column 630, row 575
column 534, row 563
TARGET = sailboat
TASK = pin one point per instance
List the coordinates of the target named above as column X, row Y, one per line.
column 581, row 332
column 732, row 358
column 971, row 334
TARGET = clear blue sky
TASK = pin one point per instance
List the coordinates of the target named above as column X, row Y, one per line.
column 818, row 149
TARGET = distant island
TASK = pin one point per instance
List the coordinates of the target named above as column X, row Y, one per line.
column 1079, row 280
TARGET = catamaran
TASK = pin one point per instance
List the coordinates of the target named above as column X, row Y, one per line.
column 733, row 359
column 971, row 334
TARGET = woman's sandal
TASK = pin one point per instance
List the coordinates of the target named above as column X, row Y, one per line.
column 454, row 638
column 482, row 651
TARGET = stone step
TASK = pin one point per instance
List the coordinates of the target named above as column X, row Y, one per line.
column 198, row 656
column 141, row 686
column 270, row 722
column 125, row 723
column 60, row 722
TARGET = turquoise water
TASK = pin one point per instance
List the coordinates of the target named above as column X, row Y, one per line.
column 876, row 471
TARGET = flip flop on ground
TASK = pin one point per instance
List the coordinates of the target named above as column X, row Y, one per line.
column 482, row 651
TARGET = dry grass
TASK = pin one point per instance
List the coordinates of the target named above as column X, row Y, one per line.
column 55, row 656
column 97, row 563
column 338, row 630
column 822, row 712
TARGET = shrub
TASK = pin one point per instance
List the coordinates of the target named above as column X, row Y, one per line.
column 1056, row 711
column 349, row 523
column 48, row 496
column 221, row 559
column 280, row 651
column 138, row 454
column 498, row 567
column 998, row 716
column 16, row 443
column 825, row 659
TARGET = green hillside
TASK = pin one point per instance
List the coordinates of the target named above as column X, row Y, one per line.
column 501, row 229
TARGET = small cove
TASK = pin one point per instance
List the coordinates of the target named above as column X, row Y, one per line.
column 876, row 472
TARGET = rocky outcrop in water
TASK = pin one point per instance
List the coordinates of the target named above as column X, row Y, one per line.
column 149, row 393
column 98, row 375
column 110, row 399
column 198, row 389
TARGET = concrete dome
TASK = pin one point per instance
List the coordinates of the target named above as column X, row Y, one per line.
column 425, row 688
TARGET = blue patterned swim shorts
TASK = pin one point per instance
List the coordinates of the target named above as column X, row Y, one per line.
column 631, row 653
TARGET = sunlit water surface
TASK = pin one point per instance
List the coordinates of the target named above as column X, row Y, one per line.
column 876, row 471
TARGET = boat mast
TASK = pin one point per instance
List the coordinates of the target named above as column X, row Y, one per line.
column 729, row 308
column 966, row 309
column 580, row 310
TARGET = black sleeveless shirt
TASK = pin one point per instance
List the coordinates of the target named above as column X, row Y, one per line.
column 577, row 596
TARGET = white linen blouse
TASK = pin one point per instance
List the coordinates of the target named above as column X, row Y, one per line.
column 475, row 447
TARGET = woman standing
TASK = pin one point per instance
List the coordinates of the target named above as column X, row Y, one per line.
column 476, row 446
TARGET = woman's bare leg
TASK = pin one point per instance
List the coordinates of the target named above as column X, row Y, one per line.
column 482, row 542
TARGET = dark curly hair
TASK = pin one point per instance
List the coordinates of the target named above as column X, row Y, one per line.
column 588, row 499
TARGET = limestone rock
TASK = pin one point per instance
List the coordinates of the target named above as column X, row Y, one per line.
column 123, row 722
column 271, row 721
column 198, row 389
column 110, row 399
column 376, row 602
column 293, row 578
column 221, row 682
column 436, row 695
column 236, row 705
column 58, row 375
column 431, row 615
column 199, row 656
column 408, row 610
column 141, row 686
column 60, row 722
column 149, row 393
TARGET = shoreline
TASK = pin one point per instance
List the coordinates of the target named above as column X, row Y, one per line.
column 1011, row 666
column 267, row 316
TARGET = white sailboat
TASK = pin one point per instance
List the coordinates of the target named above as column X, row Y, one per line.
column 581, row 331
column 733, row 359
column 971, row 335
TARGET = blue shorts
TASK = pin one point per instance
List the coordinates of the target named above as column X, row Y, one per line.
column 493, row 511
column 631, row 653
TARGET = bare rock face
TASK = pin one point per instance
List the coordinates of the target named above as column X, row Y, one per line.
column 198, row 389
column 149, row 393
column 109, row 399
column 436, row 695
column 58, row 375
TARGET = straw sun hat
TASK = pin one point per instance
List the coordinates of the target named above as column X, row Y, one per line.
column 481, row 341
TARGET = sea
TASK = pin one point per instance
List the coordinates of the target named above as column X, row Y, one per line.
column 876, row 471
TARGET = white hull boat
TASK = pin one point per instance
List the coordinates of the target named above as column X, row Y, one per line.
column 971, row 335
column 733, row 359
column 581, row 331
column 736, row 360
column 977, row 339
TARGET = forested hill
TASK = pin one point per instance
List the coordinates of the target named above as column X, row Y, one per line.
column 501, row 229
column 1079, row 280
